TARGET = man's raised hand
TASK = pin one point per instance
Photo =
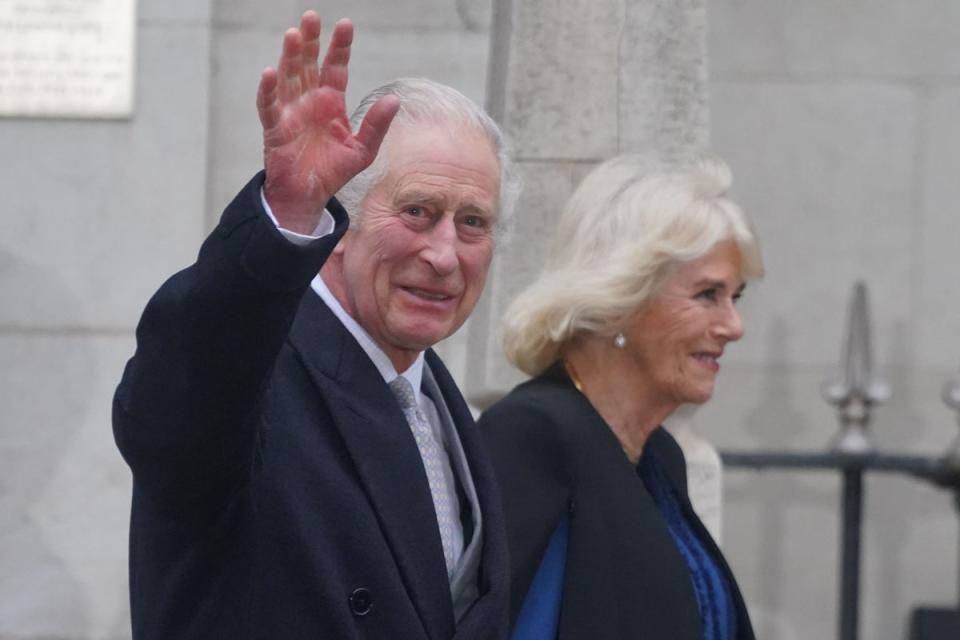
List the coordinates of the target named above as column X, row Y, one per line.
column 309, row 150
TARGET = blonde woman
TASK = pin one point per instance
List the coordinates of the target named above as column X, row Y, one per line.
column 628, row 321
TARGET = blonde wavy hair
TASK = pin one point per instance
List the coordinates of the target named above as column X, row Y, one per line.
column 630, row 220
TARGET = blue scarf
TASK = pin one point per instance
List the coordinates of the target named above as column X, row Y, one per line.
column 709, row 584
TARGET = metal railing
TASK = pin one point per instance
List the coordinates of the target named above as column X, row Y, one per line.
column 940, row 471
column 855, row 392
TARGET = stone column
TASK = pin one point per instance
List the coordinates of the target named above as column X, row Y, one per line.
column 574, row 82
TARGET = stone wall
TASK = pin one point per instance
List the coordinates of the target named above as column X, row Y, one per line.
column 96, row 215
column 840, row 122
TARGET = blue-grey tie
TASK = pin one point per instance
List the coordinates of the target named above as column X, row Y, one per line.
column 436, row 463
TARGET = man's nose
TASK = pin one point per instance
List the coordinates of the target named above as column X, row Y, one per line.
column 440, row 251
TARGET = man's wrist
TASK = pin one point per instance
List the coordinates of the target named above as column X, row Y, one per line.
column 323, row 227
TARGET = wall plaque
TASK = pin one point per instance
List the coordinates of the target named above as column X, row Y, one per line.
column 67, row 58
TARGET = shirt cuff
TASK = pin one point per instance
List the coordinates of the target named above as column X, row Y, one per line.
column 324, row 227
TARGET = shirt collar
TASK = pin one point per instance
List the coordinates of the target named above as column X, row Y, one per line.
column 414, row 374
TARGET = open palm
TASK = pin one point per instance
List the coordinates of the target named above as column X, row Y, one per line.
column 309, row 149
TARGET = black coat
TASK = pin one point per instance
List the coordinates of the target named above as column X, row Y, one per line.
column 625, row 578
column 278, row 491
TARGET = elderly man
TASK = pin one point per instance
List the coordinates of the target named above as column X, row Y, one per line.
column 304, row 466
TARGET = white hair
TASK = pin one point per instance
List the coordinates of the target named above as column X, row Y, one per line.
column 426, row 101
column 630, row 220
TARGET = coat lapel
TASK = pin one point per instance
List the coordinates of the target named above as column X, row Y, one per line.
column 488, row 616
column 384, row 455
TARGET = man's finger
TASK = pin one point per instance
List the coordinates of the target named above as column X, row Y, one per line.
column 291, row 66
column 310, row 31
column 376, row 123
column 333, row 73
column 267, row 107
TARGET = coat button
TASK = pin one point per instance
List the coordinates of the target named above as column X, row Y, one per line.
column 361, row 601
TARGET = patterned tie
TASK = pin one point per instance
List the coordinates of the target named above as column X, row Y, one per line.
column 436, row 463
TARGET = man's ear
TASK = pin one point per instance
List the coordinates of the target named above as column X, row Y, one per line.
column 342, row 245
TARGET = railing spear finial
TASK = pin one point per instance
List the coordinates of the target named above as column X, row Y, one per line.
column 855, row 390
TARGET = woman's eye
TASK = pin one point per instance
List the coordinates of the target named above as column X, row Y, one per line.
column 708, row 294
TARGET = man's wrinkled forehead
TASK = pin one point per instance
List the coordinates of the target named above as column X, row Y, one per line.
column 458, row 135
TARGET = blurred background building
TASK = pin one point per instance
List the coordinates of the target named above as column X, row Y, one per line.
column 839, row 119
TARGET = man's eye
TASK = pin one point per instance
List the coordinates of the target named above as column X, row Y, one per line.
column 737, row 296
column 414, row 211
column 474, row 221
